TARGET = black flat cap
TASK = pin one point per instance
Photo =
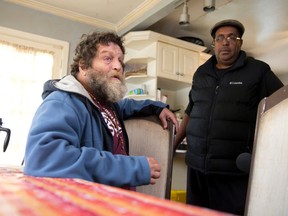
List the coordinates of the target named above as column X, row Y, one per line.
column 228, row 22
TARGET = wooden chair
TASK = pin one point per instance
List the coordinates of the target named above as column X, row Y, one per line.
column 147, row 137
column 268, row 183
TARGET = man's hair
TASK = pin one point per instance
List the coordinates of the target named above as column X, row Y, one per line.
column 87, row 49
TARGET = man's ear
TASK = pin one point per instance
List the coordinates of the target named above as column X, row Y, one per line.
column 212, row 44
column 241, row 41
column 82, row 68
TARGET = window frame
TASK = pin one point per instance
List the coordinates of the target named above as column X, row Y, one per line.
column 60, row 52
column 58, row 47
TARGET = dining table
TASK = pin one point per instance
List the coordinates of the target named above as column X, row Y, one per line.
column 25, row 195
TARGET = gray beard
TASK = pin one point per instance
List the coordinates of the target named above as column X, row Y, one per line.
column 104, row 91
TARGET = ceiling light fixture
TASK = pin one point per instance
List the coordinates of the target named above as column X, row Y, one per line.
column 209, row 5
column 184, row 17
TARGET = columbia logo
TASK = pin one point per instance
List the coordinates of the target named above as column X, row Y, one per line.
column 235, row 83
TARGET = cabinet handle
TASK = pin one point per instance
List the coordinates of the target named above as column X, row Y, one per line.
column 177, row 73
column 181, row 74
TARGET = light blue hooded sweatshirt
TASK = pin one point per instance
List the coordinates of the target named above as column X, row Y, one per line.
column 68, row 138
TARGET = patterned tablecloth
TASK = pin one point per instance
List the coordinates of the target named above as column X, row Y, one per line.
column 31, row 196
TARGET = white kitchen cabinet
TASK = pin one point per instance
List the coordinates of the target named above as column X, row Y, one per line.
column 176, row 63
column 170, row 63
column 203, row 57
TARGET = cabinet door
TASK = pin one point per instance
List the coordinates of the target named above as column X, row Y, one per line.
column 188, row 63
column 167, row 61
column 204, row 57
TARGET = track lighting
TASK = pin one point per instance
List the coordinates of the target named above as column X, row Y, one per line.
column 184, row 17
column 209, row 5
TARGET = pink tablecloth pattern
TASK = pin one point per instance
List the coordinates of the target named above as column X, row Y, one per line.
column 32, row 196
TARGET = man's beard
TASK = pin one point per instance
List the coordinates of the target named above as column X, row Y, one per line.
column 107, row 91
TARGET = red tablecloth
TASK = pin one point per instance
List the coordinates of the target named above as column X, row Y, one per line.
column 31, row 196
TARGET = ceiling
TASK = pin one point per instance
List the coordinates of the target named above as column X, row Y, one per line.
column 266, row 35
column 118, row 15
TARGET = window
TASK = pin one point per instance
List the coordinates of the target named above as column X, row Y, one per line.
column 27, row 61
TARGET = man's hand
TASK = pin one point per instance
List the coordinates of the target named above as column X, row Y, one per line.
column 167, row 115
column 155, row 169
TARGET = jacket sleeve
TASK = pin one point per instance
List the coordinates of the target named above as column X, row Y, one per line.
column 65, row 142
column 130, row 107
column 270, row 84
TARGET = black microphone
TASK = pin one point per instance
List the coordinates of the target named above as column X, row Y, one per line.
column 243, row 162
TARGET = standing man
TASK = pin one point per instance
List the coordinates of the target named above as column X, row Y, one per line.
column 219, row 121
column 78, row 130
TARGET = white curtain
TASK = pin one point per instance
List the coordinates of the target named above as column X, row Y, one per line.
column 23, row 71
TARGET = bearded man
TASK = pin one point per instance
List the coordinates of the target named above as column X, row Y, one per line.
column 78, row 130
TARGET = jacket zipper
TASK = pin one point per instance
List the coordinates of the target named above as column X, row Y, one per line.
column 211, row 120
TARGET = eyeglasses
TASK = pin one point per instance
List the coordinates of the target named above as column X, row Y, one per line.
column 232, row 38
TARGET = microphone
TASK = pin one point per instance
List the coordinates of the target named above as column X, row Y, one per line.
column 243, row 162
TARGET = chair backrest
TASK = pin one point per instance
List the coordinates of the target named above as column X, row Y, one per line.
column 147, row 137
column 268, row 183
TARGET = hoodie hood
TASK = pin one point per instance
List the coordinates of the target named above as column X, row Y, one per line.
column 68, row 84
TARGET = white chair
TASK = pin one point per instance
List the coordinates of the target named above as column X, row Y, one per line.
column 268, row 183
column 147, row 137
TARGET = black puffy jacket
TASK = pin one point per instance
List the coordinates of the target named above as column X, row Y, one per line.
column 223, row 112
